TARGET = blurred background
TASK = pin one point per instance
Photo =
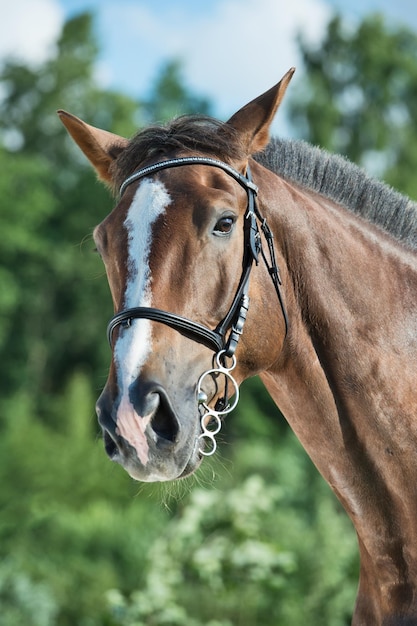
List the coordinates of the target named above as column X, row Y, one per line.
column 255, row 537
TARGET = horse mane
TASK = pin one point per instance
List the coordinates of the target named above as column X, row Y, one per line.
column 313, row 168
column 345, row 183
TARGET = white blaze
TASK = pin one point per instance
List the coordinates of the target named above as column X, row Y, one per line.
column 134, row 345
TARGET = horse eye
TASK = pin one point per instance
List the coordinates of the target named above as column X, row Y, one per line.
column 224, row 226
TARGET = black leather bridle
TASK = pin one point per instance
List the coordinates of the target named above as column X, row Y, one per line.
column 216, row 339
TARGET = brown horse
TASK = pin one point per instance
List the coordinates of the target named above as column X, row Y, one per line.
column 188, row 254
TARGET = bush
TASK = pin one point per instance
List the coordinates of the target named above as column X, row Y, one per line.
column 250, row 552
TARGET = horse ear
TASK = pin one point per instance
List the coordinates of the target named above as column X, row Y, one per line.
column 99, row 146
column 254, row 120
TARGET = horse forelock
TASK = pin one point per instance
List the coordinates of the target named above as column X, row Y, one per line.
column 345, row 183
column 186, row 134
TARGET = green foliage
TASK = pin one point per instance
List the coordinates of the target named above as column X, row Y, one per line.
column 26, row 205
column 358, row 97
column 24, row 601
column 248, row 551
column 170, row 97
column 69, row 524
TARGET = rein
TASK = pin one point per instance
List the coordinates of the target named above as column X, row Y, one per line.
column 232, row 324
column 235, row 319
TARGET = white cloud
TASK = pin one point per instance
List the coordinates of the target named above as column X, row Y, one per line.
column 29, row 28
column 247, row 46
column 231, row 50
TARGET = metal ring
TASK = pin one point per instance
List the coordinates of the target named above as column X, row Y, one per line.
column 232, row 380
column 223, row 367
column 211, row 415
column 213, row 444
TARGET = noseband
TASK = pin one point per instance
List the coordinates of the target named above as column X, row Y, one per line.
column 216, row 339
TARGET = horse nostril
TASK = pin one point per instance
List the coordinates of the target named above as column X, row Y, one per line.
column 110, row 444
column 151, row 405
column 108, row 427
column 164, row 422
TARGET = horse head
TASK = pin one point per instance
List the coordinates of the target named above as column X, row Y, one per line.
column 179, row 248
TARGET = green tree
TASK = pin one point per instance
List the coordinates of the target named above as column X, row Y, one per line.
column 170, row 97
column 249, row 553
column 358, row 97
column 50, row 204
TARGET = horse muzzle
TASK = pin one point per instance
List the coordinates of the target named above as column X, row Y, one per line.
column 143, row 433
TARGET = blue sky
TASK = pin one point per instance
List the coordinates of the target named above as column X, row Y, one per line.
column 231, row 50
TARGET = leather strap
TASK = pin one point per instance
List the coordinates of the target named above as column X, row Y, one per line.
column 236, row 316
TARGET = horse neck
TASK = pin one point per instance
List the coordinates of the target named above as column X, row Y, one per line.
column 346, row 381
